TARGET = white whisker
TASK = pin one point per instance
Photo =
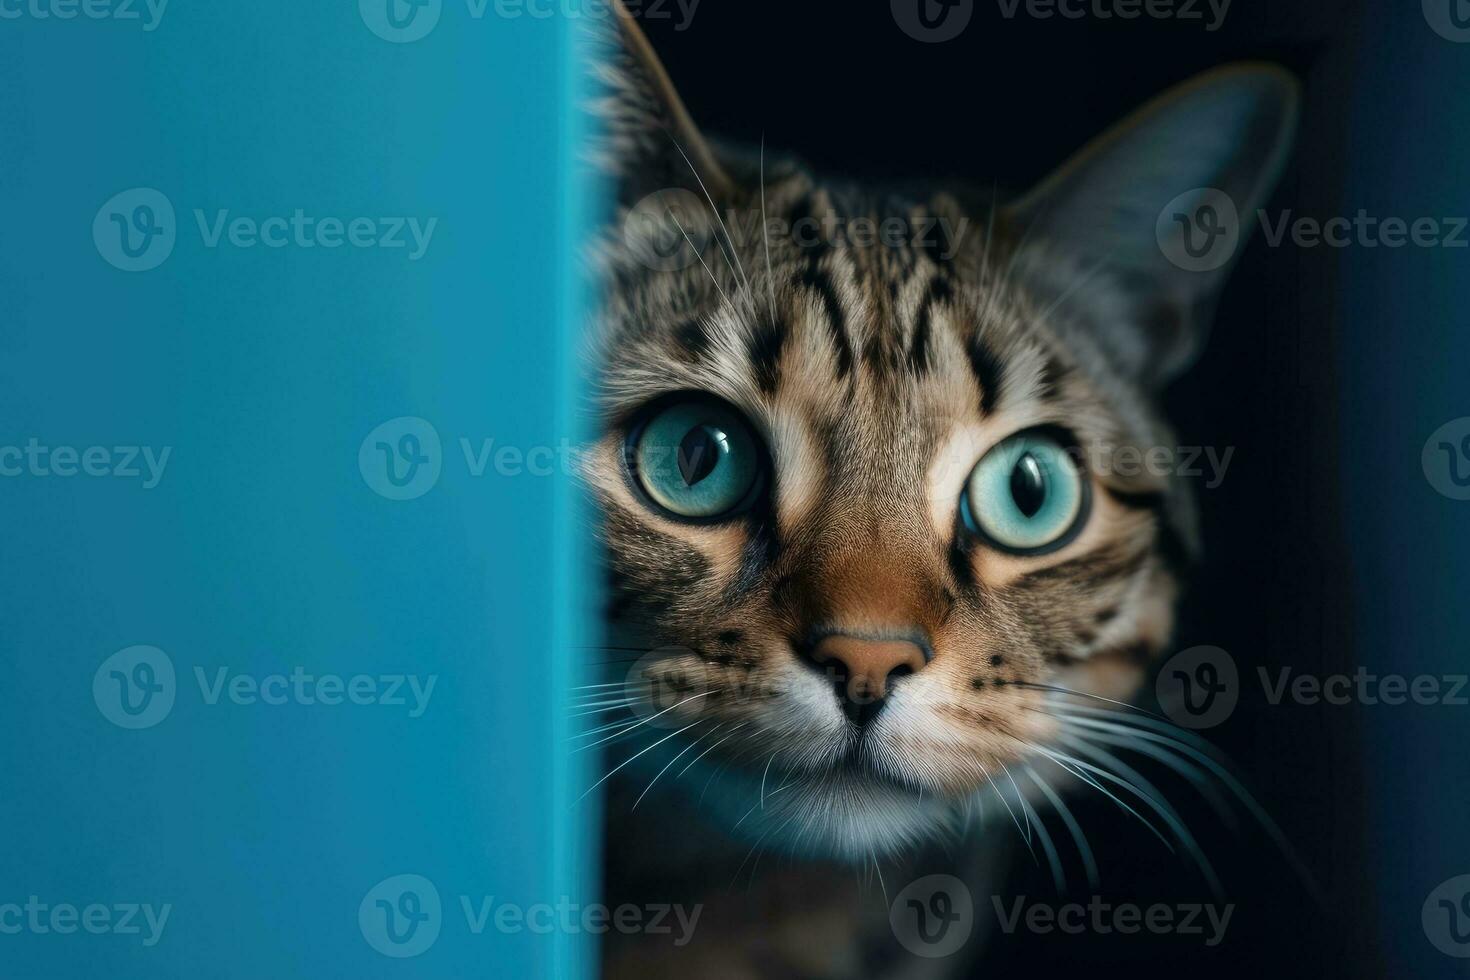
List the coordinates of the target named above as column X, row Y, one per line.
column 1047, row 846
column 1089, row 863
column 1125, row 776
column 708, row 750
column 640, row 723
column 765, row 233
column 996, row 790
column 1076, row 767
column 670, row 764
column 612, row 772
column 713, row 207
column 709, row 272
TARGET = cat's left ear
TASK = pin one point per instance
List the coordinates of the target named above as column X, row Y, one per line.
column 649, row 143
column 1141, row 228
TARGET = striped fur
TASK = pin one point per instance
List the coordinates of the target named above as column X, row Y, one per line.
column 876, row 374
column 877, row 378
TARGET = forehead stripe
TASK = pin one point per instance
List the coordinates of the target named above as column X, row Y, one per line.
column 1049, row 380
column 939, row 291
column 692, row 341
column 988, row 372
column 764, row 351
column 816, row 279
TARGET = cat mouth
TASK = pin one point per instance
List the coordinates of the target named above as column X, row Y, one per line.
column 857, row 763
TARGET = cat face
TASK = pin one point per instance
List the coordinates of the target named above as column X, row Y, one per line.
column 858, row 495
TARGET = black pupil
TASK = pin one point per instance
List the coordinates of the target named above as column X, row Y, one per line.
column 1028, row 485
column 699, row 453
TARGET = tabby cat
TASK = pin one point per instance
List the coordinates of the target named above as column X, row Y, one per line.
column 853, row 502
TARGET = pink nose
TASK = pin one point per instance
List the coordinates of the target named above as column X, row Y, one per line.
column 868, row 665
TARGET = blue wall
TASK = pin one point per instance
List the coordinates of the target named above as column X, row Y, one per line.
column 266, row 543
column 1407, row 373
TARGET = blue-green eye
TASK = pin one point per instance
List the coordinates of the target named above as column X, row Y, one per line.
column 1026, row 496
column 697, row 458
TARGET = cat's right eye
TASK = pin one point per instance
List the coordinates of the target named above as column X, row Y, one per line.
column 696, row 458
column 1027, row 496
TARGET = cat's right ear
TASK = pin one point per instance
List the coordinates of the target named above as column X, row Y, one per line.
column 1139, row 231
column 648, row 143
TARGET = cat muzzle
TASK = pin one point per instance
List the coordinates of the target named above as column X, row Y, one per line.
column 864, row 670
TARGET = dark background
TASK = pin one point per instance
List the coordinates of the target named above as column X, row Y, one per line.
column 845, row 89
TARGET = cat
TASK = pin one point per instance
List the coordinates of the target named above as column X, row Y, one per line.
column 868, row 559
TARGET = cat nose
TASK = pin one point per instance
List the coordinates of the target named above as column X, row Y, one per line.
column 863, row 670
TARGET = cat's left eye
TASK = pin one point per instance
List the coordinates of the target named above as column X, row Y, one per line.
column 1027, row 495
column 697, row 458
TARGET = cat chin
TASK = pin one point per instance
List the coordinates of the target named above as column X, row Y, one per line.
column 839, row 815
